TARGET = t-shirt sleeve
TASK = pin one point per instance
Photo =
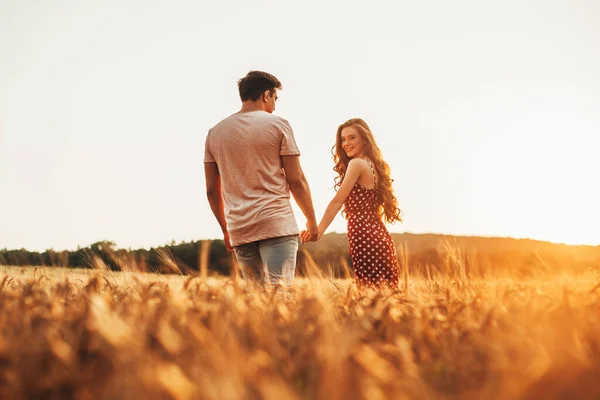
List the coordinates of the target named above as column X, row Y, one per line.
column 208, row 157
column 288, row 141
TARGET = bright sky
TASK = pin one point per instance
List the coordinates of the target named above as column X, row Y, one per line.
column 489, row 115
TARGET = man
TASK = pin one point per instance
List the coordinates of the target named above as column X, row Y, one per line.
column 251, row 164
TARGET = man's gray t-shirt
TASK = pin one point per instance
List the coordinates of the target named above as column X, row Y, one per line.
column 247, row 148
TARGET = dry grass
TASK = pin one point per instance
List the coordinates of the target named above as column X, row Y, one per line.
column 90, row 334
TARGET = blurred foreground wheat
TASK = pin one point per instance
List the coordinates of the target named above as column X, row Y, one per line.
column 104, row 335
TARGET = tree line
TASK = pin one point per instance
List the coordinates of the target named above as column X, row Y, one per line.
column 422, row 254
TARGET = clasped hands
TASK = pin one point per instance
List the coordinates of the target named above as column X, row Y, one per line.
column 312, row 233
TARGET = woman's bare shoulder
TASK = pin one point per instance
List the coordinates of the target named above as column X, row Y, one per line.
column 358, row 163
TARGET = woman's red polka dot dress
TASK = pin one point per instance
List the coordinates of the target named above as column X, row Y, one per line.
column 372, row 249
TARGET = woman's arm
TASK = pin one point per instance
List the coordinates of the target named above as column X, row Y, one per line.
column 356, row 167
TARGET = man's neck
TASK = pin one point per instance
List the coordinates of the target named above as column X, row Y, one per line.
column 248, row 106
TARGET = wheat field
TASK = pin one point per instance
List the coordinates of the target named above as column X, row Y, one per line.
column 92, row 334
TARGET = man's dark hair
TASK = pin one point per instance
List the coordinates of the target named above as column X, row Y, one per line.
column 255, row 83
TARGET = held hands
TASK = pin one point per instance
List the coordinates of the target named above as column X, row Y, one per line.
column 311, row 234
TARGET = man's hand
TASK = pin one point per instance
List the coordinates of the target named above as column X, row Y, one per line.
column 228, row 245
column 215, row 198
column 311, row 234
column 313, row 230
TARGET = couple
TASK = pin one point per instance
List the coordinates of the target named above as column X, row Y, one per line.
column 252, row 164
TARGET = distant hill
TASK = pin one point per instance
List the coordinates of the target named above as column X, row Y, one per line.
column 479, row 255
column 417, row 242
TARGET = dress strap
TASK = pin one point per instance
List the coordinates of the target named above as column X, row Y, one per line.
column 372, row 173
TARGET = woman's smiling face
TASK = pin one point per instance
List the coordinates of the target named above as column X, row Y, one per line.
column 352, row 142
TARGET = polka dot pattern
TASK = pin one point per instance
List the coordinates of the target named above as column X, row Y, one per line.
column 372, row 249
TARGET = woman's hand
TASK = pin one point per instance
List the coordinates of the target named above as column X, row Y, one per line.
column 304, row 236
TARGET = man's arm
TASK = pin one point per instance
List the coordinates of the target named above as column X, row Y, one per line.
column 215, row 198
column 301, row 192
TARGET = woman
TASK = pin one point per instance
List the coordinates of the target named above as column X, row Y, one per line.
column 364, row 188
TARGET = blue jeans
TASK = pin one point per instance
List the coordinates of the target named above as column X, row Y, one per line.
column 274, row 258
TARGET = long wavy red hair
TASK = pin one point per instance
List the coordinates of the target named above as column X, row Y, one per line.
column 388, row 204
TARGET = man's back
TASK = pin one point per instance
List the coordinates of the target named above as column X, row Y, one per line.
column 247, row 147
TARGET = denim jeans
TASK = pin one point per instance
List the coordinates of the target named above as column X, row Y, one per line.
column 274, row 258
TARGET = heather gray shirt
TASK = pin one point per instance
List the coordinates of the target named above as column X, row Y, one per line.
column 247, row 148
